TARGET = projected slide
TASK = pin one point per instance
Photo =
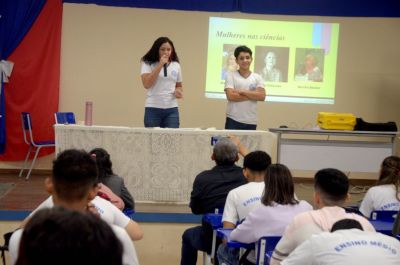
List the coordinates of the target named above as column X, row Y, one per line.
column 296, row 59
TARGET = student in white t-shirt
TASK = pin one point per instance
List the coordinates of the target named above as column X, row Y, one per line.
column 64, row 237
column 73, row 185
column 277, row 209
column 331, row 188
column 243, row 89
column 385, row 196
column 241, row 200
column 161, row 76
column 346, row 244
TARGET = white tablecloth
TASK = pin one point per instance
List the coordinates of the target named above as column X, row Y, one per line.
column 158, row 165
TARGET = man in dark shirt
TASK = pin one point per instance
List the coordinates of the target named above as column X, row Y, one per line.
column 210, row 189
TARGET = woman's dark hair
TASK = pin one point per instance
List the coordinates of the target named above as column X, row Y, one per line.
column 279, row 186
column 64, row 237
column 103, row 161
column 153, row 56
column 390, row 173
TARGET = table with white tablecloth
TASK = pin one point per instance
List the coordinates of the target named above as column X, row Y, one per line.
column 158, row 165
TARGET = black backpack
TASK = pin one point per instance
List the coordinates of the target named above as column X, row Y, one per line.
column 362, row 125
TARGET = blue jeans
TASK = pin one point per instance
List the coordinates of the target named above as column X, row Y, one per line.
column 164, row 118
column 193, row 239
column 227, row 256
column 231, row 124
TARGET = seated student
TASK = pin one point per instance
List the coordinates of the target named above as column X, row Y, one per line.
column 347, row 244
column 385, row 196
column 65, row 237
column 210, row 189
column 277, row 209
column 64, row 184
column 108, row 178
column 330, row 194
column 73, row 185
column 243, row 199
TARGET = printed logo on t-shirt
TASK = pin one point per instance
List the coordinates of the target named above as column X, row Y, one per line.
column 251, row 201
column 252, row 87
column 174, row 73
column 390, row 206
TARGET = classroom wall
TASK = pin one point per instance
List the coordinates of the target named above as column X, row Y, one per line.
column 102, row 47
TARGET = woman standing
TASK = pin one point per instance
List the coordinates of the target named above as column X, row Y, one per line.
column 161, row 76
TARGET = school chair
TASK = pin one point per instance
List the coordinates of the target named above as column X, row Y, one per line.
column 64, row 118
column 264, row 248
column 215, row 221
column 34, row 147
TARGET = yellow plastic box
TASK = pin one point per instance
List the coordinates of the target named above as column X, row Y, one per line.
column 336, row 121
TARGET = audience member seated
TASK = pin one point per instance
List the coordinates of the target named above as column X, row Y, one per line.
column 210, row 189
column 277, row 209
column 65, row 237
column 385, row 196
column 330, row 194
column 243, row 199
column 107, row 194
column 73, row 185
column 347, row 244
column 107, row 211
column 108, row 178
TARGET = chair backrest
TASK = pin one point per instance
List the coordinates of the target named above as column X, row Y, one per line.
column 387, row 216
column 64, row 118
column 27, row 127
column 265, row 247
column 396, row 226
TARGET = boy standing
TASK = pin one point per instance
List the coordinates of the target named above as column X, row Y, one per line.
column 243, row 89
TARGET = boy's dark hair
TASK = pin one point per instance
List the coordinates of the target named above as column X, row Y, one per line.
column 279, row 186
column 64, row 237
column 74, row 173
column 333, row 185
column 103, row 161
column 153, row 56
column 242, row 48
column 346, row 224
column 257, row 161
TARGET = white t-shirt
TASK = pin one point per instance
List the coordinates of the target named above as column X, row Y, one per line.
column 129, row 252
column 241, row 200
column 380, row 198
column 267, row 221
column 108, row 212
column 161, row 94
column 347, row 247
column 244, row 111
column 306, row 224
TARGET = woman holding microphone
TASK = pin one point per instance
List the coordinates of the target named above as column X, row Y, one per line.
column 161, row 76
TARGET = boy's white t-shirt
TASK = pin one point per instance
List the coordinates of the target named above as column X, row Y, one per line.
column 352, row 246
column 162, row 93
column 380, row 198
column 241, row 200
column 129, row 256
column 108, row 212
column 244, row 111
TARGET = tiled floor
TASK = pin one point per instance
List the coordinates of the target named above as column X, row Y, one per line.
column 27, row 195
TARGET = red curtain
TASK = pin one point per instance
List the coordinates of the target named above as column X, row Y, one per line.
column 34, row 83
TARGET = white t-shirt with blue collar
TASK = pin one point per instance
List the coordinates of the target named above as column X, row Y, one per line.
column 244, row 111
column 162, row 93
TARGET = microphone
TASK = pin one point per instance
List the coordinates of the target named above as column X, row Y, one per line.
column 165, row 70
